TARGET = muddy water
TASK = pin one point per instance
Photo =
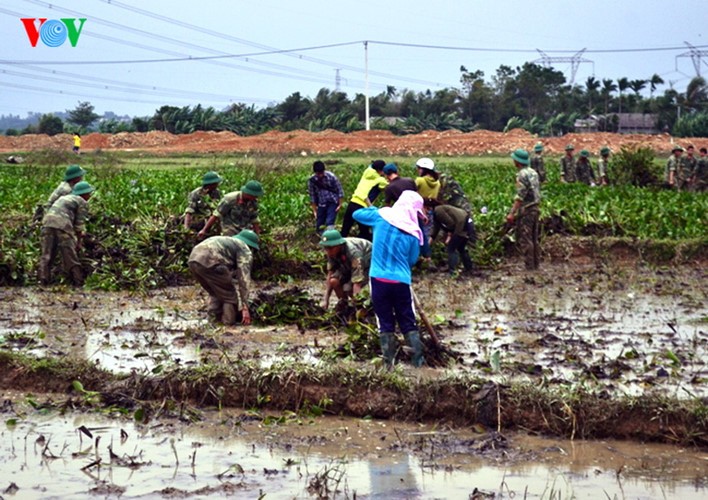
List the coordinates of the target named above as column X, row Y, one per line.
column 237, row 454
column 624, row 329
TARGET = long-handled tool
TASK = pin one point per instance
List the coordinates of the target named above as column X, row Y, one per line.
column 426, row 322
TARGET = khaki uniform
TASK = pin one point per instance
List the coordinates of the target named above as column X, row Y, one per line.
column 200, row 204
column 215, row 262
column 567, row 168
column 539, row 167
column 352, row 264
column 236, row 213
column 584, row 172
column 684, row 172
column 63, row 220
column 527, row 223
column 671, row 166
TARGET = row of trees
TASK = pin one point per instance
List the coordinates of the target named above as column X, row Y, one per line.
column 533, row 97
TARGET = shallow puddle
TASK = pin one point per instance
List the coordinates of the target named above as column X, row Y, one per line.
column 237, row 454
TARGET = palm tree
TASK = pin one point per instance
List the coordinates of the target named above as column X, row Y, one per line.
column 608, row 86
column 654, row 81
column 622, row 85
column 696, row 94
column 591, row 86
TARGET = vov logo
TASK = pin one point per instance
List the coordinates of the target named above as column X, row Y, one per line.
column 53, row 32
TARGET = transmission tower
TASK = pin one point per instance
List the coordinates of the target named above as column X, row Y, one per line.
column 574, row 61
column 695, row 56
column 337, row 80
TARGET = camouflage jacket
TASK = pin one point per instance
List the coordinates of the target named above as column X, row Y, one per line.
column 236, row 213
column 230, row 252
column 567, row 170
column 451, row 193
column 671, row 166
column 62, row 189
column 686, row 167
column 353, row 262
column 68, row 213
column 528, row 188
column 584, row 172
column 201, row 203
column 539, row 167
column 701, row 171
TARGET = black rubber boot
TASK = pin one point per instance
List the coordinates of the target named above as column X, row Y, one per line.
column 413, row 339
column 388, row 348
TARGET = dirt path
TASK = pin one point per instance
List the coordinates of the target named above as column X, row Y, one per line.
column 448, row 143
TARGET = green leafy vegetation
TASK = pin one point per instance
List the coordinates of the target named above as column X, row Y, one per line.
column 136, row 241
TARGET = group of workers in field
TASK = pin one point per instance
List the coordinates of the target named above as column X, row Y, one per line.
column 391, row 240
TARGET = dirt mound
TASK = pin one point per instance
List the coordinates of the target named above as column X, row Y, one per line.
column 433, row 143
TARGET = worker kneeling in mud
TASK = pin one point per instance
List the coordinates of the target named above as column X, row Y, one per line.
column 216, row 262
column 348, row 262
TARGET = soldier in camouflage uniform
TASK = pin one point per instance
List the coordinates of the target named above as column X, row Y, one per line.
column 348, row 262
column 537, row 162
column 63, row 227
column 201, row 201
column 237, row 211
column 672, row 165
column 451, row 193
column 72, row 175
column 603, row 165
column 215, row 263
column 525, row 210
column 567, row 165
column 700, row 176
column 583, row 169
column 686, row 169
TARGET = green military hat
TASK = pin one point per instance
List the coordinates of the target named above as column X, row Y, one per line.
column 249, row 237
column 211, row 178
column 569, row 147
column 82, row 187
column 253, row 188
column 538, row 147
column 604, row 151
column 676, row 148
column 584, row 153
column 73, row 171
column 521, row 156
column 332, row 238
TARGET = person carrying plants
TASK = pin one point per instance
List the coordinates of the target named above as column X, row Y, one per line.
column 537, row 162
column 396, row 184
column 583, row 169
column 216, row 263
column 237, row 211
column 77, row 143
column 72, row 175
column 201, row 201
column 348, row 263
column 326, row 196
column 460, row 230
column 567, row 165
column 672, row 165
column 395, row 249
column 525, row 210
column 603, row 166
column 367, row 190
column 63, row 228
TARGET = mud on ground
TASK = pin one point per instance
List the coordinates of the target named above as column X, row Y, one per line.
column 581, row 349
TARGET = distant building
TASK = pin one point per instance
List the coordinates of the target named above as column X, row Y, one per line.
column 624, row 123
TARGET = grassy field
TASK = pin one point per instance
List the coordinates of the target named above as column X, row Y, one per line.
column 139, row 244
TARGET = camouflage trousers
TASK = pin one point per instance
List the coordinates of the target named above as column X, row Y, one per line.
column 57, row 241
column 527, row 232
column 218, row 283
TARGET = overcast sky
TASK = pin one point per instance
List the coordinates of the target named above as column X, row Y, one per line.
column 238, row 38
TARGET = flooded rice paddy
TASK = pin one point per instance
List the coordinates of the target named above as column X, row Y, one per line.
column 626, row 330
